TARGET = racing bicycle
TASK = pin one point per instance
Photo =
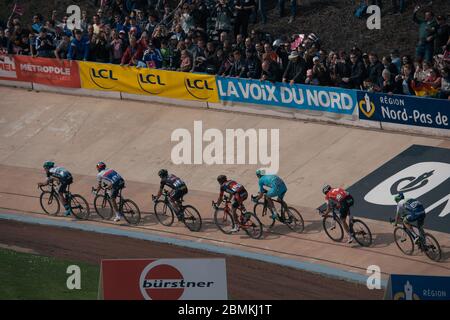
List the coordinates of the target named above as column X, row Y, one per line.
column 332, row 224
column 104, row 207
column 51, row 205
column 248, row 221
column 294, row 219
column 427, row 243
column 165, row 213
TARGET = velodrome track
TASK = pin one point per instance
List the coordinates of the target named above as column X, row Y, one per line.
column 134, row 138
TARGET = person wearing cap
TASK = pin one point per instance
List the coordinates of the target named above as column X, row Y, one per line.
column 442, row 35
column 296, row 69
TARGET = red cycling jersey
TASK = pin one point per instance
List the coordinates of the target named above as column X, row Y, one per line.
column 336, row 196
column 231, row 187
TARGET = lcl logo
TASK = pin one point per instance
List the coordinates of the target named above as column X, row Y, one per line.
column 151, row 83
column 198, row 88
column 99, row 74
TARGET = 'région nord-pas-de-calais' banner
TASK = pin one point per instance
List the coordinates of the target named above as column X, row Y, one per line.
column 424, row 112
column 296, row 96
column 145, row 81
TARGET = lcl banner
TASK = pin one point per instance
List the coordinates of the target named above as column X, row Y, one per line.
column 169, row 84
column 59, row 73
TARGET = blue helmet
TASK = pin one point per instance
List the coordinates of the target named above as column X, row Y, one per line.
column 399, row 197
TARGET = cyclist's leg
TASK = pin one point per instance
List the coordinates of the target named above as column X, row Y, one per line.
column 344, row 212
column 283, row 204
column 114, row 193
column 272, row 192
column 62, row 191
column 407, row 222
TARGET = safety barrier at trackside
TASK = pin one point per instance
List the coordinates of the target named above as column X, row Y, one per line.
column 303, row 102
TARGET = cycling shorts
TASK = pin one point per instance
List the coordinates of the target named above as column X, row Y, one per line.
column 239, row 198
column 277, row 191
column 116, row 187
column 64, row 184
column 179, row 193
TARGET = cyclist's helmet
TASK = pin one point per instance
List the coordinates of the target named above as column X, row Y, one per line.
column 221, row 179
column 399, row 197
column 260, row 173
column 326, row 188
column 101, row 166
column 48, row 164
column 163, row 173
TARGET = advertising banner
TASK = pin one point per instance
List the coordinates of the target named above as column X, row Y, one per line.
column 58, row 73
column 302, row 97
column 424, row 112
column 163, row 279
column 7, row 68
column 169, row 84
column 412, row 287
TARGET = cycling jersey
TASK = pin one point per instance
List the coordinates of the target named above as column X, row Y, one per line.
column 336, row 196
column 276, row 185
column 231, row 187
column 173, row 182
column 63, row 176
column 411, row 210
column 110, row 177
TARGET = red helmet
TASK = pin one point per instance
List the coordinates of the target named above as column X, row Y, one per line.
column 101, row 166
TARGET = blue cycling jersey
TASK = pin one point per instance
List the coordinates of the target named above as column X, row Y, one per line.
column 273, row 182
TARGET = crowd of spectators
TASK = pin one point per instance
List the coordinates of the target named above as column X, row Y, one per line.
column 213, row 37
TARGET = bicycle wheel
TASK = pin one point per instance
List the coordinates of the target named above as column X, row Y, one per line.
column 131, row 212
column 103, row 207
column 79, row 206
column 192, row 218
column 362, row 233
column 253, row 226
column 333, row 228
column 264, row 214
column 296, row 220
column 163, row 213
column 432, row 248
column 49, row 203
column 403, row 241
column 224, row 221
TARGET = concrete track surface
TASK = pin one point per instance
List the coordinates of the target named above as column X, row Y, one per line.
column 135, row 139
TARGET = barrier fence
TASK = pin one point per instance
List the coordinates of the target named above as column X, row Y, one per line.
column 397, row 112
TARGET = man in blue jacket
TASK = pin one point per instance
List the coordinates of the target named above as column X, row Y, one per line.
column 79, row 48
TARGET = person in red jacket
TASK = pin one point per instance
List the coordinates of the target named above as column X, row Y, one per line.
column 133, row 53
column 341, row 200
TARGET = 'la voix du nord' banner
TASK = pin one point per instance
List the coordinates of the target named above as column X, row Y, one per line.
column 424, row 112
column 53, row 72
column 303, row 97
column 169, row 84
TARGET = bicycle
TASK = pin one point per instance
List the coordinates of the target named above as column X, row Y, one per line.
column 127, row 208
column 427, row 243
column 50, row 203
column 358, row 229
column 294, row 219
column 248, row 221
column 165, row 213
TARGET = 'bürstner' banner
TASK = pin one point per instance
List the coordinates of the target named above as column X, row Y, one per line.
column 162, row 83
column 164, row 279
column 62, row 73
column 424, row 112
column 303, row 97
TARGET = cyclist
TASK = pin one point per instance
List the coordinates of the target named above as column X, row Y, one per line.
column 277, row 188
column 111, row 180
column 63, row 177
column 340, row 199
column 237, row 191
column 410, row 210
column 178, row 186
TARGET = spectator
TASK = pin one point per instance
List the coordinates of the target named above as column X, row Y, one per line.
column 186, row 62
column 395, row 59
column 100, row 49
column 374, row 69
column 427, row 30
column 270, row 71
column 293, row 9
column 262, row 10
column 243, row 10
column 62, row 49
column 272, row 55
column 405, row 81
column 79, row 48
column 252, row 65
column 310, row 78
column 227, row 63
column 44, row 44
column 444, row 92
column 387, row 85
column 320, row 72
column 357, row 73
column 433, row 79
column 117, row 47
column 152, row 23
column 36, row 24
column 369, row 86
column 152, row 58
column 238, row 66
column 387, row 63
column 223, row 16
column 296, row 69
column 133, row 53
column 442, row 35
